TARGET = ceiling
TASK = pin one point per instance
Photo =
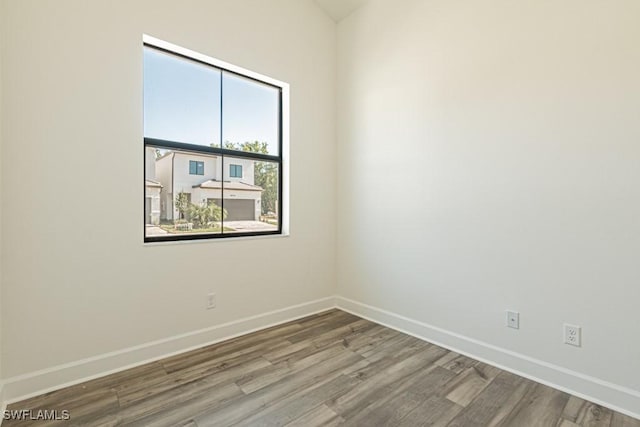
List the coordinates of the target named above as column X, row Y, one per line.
column 339, row 9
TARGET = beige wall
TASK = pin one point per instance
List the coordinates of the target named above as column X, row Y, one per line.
column 517, row 187
column 80, row 280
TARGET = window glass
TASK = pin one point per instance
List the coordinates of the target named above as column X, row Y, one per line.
column 199, row 181
column 252, row 203
column 181, row 99
column 236, row 171
column 179, row 199
column 250, row 114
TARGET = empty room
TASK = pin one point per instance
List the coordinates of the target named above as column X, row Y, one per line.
column 320, row 213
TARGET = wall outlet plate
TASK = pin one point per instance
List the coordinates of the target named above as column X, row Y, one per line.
column 211, row 301
column 513, row 319
column 572, row 335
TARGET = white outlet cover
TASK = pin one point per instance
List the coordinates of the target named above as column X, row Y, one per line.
column 211, row 301
column 573, row 335
column 513, row 319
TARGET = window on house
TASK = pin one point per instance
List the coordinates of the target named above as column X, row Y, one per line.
column 229, row 118
column 196, row 168
column 235, row 171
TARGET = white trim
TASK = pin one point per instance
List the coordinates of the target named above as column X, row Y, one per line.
column 284, row 215
column 32, row 384
column 605, row 393
column 201, row 241
column 153, row 41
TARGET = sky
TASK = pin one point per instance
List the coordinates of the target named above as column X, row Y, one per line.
column 182, row 103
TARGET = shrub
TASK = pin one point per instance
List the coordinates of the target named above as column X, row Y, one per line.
column 204, row 214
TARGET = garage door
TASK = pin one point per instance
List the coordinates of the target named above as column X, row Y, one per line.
column 238, row 210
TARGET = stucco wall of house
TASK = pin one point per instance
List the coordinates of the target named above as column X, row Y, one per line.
column 150, row 164
column 80, row 280
column 183, row 180
column 248, row 169
column 214, row 168
column 163, row 169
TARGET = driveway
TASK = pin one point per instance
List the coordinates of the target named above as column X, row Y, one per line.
column 244, row 226
column 154, row 230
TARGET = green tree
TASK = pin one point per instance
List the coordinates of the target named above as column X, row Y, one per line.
column 182, row 204
column 265, row 173
column 266, row 176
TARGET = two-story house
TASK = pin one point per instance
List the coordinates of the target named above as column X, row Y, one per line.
column 204, row 178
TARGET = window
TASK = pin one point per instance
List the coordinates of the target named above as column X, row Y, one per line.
column 200, row 111
column 235, row 171
column 196, row 168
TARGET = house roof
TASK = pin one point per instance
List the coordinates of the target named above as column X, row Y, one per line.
column 185, row 153
column 228, row 185
column 151, row 183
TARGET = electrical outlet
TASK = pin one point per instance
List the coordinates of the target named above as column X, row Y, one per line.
column 211, row 301
column 513, row 319
column 572, row 335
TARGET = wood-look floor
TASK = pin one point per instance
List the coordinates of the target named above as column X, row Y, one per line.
column 328, row 369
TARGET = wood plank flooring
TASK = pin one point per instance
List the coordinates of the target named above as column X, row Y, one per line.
column 324, row 370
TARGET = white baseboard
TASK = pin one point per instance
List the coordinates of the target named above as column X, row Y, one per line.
column 43, row 381
column 613, row 396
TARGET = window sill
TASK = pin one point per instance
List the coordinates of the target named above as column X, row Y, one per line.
column 214, row 240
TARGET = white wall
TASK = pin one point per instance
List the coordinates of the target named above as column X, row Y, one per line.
column 79, row 279
column 517, row 187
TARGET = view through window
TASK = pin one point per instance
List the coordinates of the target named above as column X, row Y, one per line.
column 213, row 150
